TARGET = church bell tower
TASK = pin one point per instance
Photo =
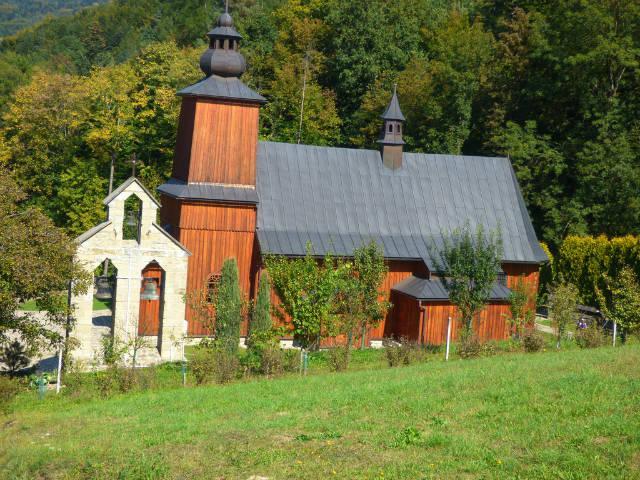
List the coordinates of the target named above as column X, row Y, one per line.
column 210, row 203
column 391, row 137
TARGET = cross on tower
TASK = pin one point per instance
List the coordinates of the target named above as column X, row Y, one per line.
column 134, row 162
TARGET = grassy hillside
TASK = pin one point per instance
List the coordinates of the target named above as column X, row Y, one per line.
column 18, row 14
column 552, row 415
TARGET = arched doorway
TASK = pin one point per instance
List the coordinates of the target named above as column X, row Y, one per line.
column 151, row 299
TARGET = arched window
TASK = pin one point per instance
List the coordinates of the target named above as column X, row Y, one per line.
column 391, row 128
column 213, row 283
column 398, row 128
column 131, row 220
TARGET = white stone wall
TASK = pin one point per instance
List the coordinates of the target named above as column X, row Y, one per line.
column 130, row 257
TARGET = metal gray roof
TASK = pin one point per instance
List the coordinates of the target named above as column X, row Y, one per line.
column 209, row 191
column 339, row 198
column 423, row 289
column 230, row 88
column 393, row 111
column 229, row 32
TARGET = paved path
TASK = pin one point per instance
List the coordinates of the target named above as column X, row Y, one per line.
column 47, row 360
column 544, row 328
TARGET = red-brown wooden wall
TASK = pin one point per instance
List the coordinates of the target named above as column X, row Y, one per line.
column 212, row 233
column 217, row 142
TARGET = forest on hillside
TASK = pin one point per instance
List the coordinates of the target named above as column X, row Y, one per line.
column 553, row 85
column 16, row 15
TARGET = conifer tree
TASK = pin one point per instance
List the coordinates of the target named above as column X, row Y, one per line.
column 228, row 308
column 261, row 317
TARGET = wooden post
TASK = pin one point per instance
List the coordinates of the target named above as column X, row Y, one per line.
column 615, row 331
column 448, row 338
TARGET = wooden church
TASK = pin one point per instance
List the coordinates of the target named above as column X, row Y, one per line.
column 232, row 195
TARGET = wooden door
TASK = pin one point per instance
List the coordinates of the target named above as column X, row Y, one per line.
column 149, row 316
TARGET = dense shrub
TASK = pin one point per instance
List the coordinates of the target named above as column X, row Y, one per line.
column 202, row 364
column 112, row 380
column 338, row 358
column 107, row 381
column 532, row 340
column 9, row 388
column 291, row 360
column 590, row 337
column 264, row 358
column 227, row 366
column 469, row 346
column 214, row 363
column 398, row 352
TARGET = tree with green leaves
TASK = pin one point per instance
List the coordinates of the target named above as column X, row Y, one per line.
column 468, row 266
column 563, row 309
column 522, row 300
column 360, row 304
column 36, row 263
column 307, row 288
column 228, row 308
column 620, row 301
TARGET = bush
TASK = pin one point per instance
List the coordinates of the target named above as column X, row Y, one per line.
column 9, row 388
column 202, row 364
column 291, row 360
column 532, row 341
column 107, row 381
column 338, row 358
column 398, row 352
column 264, row 358
column 489, row 349
column 218, row 364
column 590, row 337
column 112, row 351
column 116, row 379
column 227, row 366
column 469, row 346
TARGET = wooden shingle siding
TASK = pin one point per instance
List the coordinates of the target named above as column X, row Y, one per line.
column 213, row 233
column 217, row 142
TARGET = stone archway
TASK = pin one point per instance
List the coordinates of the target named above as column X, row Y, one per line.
column 153, row 255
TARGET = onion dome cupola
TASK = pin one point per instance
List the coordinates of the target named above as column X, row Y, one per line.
column 223, row 58
column 223, row 64
column 391, row 137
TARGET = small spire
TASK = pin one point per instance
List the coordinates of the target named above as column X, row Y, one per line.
column 393, row 111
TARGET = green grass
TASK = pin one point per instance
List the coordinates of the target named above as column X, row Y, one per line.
column 31, row 305
column 571, row 415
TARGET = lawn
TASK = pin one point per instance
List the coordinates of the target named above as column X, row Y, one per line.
column 570, row 415
column 31, row 306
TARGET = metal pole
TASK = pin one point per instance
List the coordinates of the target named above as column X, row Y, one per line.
column 615, row 331
column 58, row 380
column 448, row 338
column 184, row 366
column 304, row 91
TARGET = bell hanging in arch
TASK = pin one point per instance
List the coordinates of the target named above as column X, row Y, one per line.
column 103, row 288
column 150, row 291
